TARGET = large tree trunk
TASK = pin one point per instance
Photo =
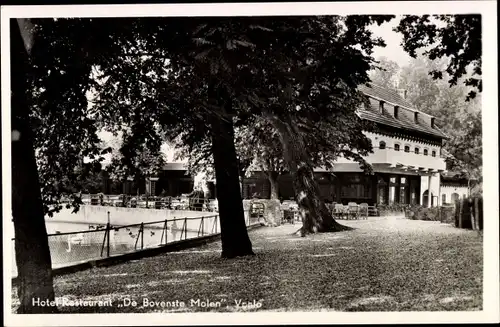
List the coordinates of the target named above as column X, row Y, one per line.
column 272, row 176
column 242, row 181
column 315, row 215
column 234, row 235
column 34, row 267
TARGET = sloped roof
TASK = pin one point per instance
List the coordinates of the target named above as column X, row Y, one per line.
column 389, row 95
column 406, row 112
column 175, row 166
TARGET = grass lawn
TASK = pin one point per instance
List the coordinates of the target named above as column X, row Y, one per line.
column 385, row 264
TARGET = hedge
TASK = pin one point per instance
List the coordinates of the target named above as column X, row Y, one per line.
column 467, row 213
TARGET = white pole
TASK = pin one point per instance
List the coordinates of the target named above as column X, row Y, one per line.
column 429, row 192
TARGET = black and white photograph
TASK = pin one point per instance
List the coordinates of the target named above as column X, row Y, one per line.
column 250, row 163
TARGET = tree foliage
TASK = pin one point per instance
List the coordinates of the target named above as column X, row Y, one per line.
column 457, row 37
column 459, row 119
column 385, row 73
column 61, row 78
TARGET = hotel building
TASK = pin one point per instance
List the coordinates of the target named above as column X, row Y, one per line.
column 406, row 159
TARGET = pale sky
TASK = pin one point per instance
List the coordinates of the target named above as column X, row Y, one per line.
column 393, row 51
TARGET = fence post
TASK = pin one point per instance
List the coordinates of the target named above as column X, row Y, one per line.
column 182, row 232
column 472, row 216
column 137, row 238
column 185, row 228
column 202, row 226
column 460, row 212
column 164, row 232
column 108, row 231
column 104, row 241
column 142, row 236
column 476, row 212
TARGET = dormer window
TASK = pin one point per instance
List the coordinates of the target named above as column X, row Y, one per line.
column 381, row 107
column 426, row 152
column 396, row 147
column 417, row 150
column 433, row 153
column 381, row 145
column 433, row 122
column 407, row 148
column 396, row 112
column 416, row 117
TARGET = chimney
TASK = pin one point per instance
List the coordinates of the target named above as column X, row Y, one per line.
column 402, row 93
column 433, row 121
column 396, row 112
column 416, row 117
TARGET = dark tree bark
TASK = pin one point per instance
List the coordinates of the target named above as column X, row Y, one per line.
column 234, row 235
column 272, row 176
column 34, row 266
column 316, row 217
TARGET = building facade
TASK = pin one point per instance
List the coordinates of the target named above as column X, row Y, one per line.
column 453, row 187
column 407, row 159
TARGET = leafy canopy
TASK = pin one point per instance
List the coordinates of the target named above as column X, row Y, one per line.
column 457, row 37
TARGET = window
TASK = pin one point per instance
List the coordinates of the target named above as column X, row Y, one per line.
column 417, row 150
column 407, row 148
column 403, row 180
column 433, row 153
column 396, row 147
column 393, row 180
column 426, row 152
column 381, row 145
column 443, row 199
column 402, row 194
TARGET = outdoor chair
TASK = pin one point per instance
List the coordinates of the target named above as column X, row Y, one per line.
column 353, row 210
column 339, row 211
column 363, row 210
column 372, row 211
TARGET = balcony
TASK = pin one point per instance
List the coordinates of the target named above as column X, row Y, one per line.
column 390, row 159
column 406, row 159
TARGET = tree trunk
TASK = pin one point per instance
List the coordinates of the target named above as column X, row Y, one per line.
column 315, row 215
column 272, row 176
column 242, row 182
column 234, row 235
column 34, row 266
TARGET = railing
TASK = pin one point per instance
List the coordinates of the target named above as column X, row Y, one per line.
column 71, row 248
column 151, row 202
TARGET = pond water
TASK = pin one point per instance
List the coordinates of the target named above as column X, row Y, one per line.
column 89, row 242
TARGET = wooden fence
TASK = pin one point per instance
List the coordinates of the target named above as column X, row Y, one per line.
column 469, row 213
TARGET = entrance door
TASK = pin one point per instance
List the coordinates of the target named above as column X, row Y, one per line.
column 426, row 199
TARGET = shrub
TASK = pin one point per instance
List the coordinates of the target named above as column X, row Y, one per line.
column 391, row 209
column 447, row 214
column 418, row 212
